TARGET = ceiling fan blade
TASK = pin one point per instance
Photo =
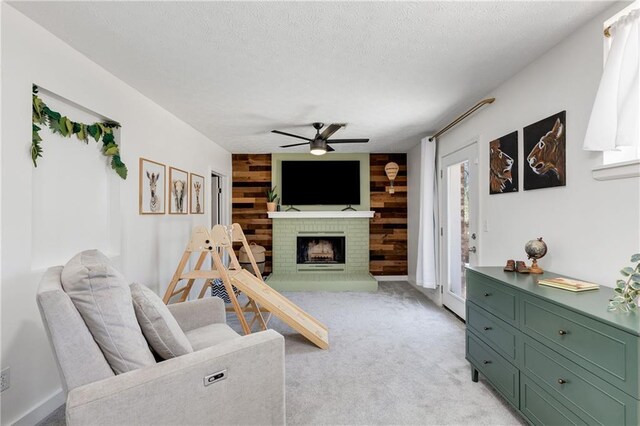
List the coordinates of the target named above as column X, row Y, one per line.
column 326, row 134
column 348, row 141
column 329, row 149
column 289, row 134
column 294, row 144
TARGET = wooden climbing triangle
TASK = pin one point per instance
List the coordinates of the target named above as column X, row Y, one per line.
column 217, row 243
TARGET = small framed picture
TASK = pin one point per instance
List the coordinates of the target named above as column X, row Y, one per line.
column 197, row 194
column 151, row 187
column 178, row 191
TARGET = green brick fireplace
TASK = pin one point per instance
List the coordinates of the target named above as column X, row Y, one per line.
column 290, row 275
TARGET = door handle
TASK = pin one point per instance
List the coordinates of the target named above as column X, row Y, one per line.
column 472, row 249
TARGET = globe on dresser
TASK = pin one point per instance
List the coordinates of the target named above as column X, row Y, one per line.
column 535, row 249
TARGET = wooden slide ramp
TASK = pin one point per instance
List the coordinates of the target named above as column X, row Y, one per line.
column 282, row 308
column 218, row 242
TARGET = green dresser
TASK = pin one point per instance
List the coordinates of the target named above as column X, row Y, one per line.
column 558, row 357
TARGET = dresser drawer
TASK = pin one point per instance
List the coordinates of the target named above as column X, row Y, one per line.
column 542, row 408
column 496, row 298
column 502, row 375
column 500, row 336
column 608, row 352
column 592, row 399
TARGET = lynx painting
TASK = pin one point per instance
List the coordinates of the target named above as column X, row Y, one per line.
column 545, row 150
column 503, row 164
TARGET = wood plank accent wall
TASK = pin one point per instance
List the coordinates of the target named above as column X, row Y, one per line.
column 251, row 178
column 388, row 229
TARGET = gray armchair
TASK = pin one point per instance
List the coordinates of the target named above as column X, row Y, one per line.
column 172, row 391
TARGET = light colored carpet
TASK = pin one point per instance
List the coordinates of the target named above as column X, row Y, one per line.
column 395, row 358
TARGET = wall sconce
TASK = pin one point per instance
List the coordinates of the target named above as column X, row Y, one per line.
column 391, row 170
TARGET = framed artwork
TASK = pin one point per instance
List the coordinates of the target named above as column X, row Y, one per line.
column 503, row 164
column 545, row 150
column 151, row 187
column 178, row 191
column 197, row 194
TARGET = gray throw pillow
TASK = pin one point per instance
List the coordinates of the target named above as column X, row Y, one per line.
column 158, row 325
column 102, row 296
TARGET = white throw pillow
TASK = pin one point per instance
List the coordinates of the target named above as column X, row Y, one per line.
column 158, row 325
column 102, row 296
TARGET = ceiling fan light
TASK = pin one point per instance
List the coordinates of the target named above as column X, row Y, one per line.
column 318, row 147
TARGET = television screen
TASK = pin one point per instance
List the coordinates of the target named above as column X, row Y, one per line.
column 320, row 182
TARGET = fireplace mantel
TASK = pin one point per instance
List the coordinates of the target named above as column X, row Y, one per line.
column 349, row 214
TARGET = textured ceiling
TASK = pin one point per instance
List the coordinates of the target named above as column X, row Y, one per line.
column 394, row 71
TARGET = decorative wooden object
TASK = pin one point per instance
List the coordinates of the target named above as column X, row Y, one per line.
column 388, row 229
column 218, row 242
column 534, row 268
column 391, row 170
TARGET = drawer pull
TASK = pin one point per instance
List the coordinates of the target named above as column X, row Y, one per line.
column 561, row 381
column 487, row 294
column 562, row 332
column 486, row 362
column 487, row 328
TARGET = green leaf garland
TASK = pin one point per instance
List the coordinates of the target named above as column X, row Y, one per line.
column 43, row 116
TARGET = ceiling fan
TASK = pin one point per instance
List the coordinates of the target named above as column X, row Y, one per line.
column 320, row 143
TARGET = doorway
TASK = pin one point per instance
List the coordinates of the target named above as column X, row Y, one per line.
column 460, row 219
column 216, row 199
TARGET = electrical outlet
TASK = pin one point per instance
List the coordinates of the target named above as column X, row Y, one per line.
column 5, row 379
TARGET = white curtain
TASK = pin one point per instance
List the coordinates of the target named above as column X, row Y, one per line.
column 426, row 274
column 616, row 110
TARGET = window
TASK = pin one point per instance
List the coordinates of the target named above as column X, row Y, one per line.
column 624, row 153
column 614, row 127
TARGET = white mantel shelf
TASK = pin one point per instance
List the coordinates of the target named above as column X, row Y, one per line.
column 321, row 214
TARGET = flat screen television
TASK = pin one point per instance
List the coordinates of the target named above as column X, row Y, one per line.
column 320, row 182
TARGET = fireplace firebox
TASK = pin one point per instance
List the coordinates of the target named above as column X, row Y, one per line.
column 320, row 250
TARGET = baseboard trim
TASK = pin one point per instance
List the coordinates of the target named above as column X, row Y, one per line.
column 432, row 293
column 41, row 412
column 391, row 277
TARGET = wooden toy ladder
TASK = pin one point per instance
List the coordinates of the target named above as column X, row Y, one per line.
column 262, row 298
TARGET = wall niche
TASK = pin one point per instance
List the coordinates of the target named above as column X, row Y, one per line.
column 75, row 193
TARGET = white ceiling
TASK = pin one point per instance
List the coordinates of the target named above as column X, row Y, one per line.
column 394, row 71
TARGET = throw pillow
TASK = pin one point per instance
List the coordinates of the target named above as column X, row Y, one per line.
column 158, row 325
column 102, row 296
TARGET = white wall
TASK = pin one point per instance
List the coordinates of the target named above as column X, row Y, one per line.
column 591, row 227
column 150, row 245
column 56, row 196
